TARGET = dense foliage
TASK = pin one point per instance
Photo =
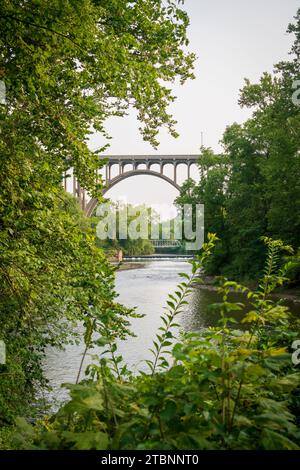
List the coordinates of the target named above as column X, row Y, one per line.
column 48, row 286
column 221, row 388
column 67, row 66
column 253, row 188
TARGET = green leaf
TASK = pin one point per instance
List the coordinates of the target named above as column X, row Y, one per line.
column 272, row 440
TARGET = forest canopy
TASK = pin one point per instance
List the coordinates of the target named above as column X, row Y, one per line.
column 253, row 188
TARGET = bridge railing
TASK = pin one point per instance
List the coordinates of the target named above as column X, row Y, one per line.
column 165, row 243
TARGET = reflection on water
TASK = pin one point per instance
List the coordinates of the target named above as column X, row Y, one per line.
column 146, row 289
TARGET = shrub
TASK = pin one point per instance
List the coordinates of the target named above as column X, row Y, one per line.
column 220, row 388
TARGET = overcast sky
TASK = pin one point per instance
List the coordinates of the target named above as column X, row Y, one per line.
column 232, row 39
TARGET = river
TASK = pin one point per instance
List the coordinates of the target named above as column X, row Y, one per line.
column 145, row 288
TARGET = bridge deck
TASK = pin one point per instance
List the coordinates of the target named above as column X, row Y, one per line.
column 152, row 158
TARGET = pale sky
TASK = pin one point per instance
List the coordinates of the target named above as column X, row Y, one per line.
column 232, row 39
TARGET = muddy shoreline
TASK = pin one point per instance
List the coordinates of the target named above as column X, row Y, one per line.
column 291, row 294
column 128, row 266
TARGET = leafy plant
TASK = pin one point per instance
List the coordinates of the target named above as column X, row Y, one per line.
column 67, row 67
column 225, row 388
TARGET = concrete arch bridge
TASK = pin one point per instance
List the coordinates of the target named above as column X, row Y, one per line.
column 139, row 165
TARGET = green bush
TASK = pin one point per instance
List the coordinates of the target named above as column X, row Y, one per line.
column 52, row 277
column 221, row 388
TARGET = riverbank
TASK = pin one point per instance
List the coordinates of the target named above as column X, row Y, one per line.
column 128, row 266
column 291, row 294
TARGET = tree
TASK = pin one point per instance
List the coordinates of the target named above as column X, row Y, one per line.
column 255, row 189
column 67, row 66
column 211, row 192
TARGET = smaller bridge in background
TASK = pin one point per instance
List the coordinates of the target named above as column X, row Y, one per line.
column 166, row 243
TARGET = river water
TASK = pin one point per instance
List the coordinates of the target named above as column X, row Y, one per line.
column 145, row 288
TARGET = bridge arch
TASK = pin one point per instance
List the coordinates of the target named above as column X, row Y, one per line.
column 145, row 171
column 91, row 206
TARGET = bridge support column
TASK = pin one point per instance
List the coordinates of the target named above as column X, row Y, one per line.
column 64, row 183
column 74, row 184
column 78, row 191
column 189, row 170
column 76, row 188
column 83, row 199
column 175, row 172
